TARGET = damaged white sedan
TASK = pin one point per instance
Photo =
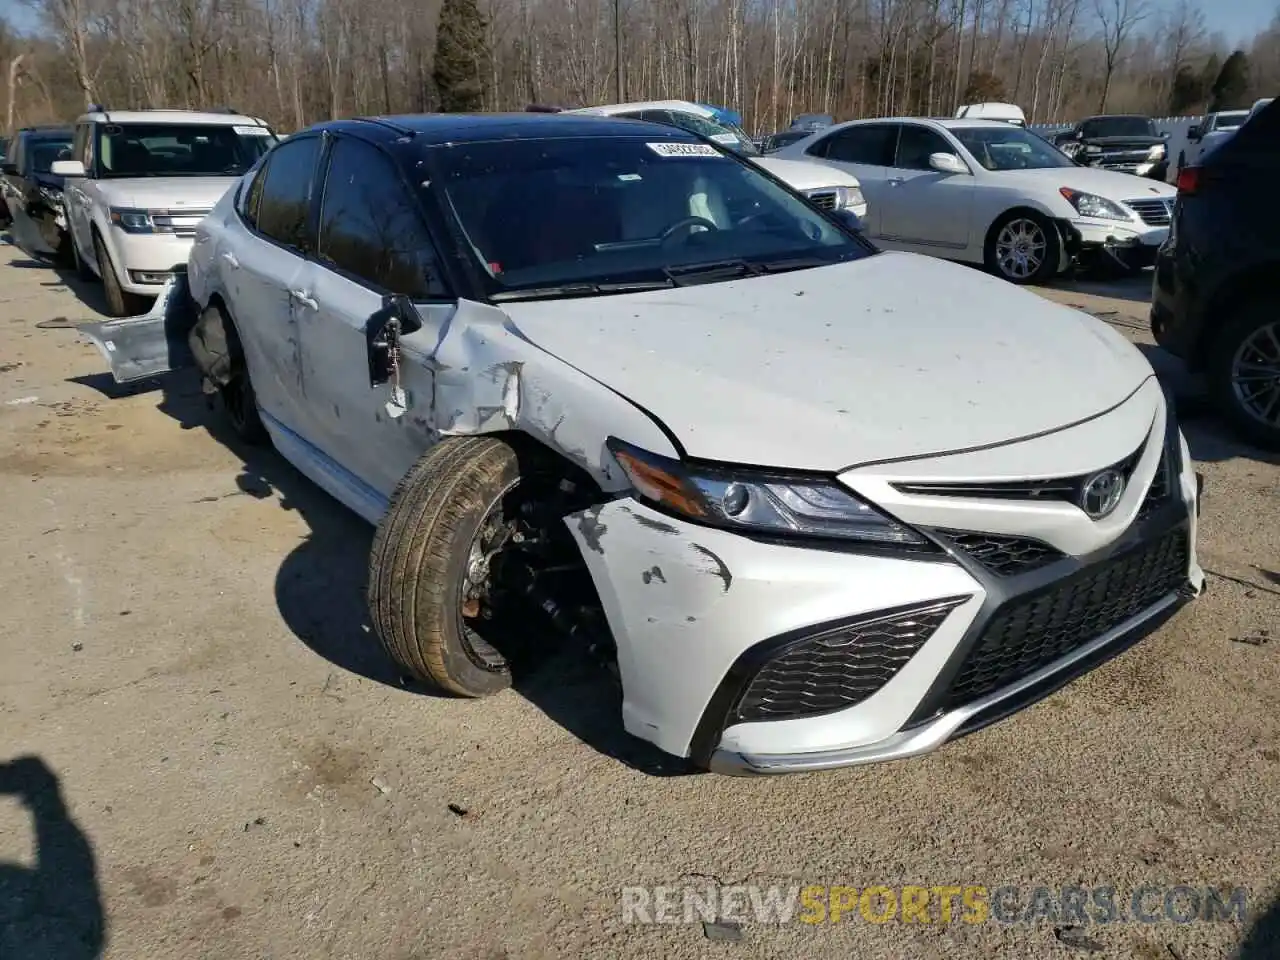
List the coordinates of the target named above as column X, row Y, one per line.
column 821, row 505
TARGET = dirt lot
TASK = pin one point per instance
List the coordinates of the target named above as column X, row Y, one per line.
column 238, row 773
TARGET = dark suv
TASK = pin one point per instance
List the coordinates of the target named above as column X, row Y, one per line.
column 1128, row 144
column 1216, row 292
column 33, row 194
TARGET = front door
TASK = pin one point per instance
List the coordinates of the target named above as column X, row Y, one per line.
column 75, row 196
column 927, row 208
column 372, row 242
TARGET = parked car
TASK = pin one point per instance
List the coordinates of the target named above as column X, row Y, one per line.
column 991, row 193
column 138, row 184
column 1215, row 301
column 812, row 121
column 1008, row 112
column 776, row 141
column 33, row 195
column 831, row 190
column 1212, row 130
column 814, row 500
column 1126, row 144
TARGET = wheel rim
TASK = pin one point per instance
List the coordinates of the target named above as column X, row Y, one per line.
column 1020, row 248
column 1255, row 374
column 497, row 528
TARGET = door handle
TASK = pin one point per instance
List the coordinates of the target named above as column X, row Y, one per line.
column 303, row 299
column 230, row 260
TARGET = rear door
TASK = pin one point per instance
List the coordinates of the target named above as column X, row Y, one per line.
column 372, row 242
column 864, row 150
column 926, row 208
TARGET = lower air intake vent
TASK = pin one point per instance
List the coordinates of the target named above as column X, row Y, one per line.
column 1004, row 556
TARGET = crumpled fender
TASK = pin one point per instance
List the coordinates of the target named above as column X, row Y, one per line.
column 484, row 376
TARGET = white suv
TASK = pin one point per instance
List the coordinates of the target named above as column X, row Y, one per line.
column 138, row 185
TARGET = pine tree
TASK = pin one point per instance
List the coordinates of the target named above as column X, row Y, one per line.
column 461, row 57
column 1231, row 89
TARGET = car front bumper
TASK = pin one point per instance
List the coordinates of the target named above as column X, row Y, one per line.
column 701, row 615
column 1132, row 244
column 145, row 262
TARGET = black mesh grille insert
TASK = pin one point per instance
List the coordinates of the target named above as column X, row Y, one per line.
column 1032, row 632
column 1160, row 489
column 841, row 667
column 1004, row 556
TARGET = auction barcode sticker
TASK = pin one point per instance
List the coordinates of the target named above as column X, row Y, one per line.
column 670, row 149
column 252, row 131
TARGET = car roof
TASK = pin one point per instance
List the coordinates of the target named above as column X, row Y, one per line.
column 684, row 106
column 440, row 128
column 46, row 132
column 169, row 116
column 1117, row 116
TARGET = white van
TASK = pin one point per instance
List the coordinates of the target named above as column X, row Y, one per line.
column 1008, row 112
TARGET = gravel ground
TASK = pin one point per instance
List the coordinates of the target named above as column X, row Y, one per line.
column 224, row 765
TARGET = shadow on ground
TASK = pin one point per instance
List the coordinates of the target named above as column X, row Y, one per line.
column 1262, row 941
column 320, row 586
column 1135, row 288
column 52, row 910
column 89, row 293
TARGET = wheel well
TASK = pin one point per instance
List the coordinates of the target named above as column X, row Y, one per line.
column 527, row 445
column 1230, row 294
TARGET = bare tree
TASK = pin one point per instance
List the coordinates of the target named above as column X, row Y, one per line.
column 1118, row 18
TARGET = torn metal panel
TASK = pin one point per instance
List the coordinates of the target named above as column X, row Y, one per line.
column 150, row 344
column 485, row 376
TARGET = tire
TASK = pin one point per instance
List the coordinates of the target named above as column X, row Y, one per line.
column 83, row 271
column 420, row 558
column 119, row 302
column 1025, row 227
column 1254, row 327
column 239, row 401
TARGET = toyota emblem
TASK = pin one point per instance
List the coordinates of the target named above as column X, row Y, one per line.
column 1101, row 493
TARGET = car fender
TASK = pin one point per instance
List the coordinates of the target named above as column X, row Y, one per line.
column 484, row 376
column 102, row 226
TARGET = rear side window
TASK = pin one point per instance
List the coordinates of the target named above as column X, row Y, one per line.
column 872, row 144
column 370, row 226
column 285, row 201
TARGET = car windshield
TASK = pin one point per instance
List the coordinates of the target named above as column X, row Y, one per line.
column 1117, row 127
column 180, row 150
column 726, row 134
column 604, row 212
column 1229, row 121
column 779, row 140
column 45, row 151
column 1006, row 147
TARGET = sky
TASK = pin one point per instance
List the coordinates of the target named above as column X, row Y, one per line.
column 1237, row 20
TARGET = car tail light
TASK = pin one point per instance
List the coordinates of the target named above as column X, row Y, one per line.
column 1189, row 180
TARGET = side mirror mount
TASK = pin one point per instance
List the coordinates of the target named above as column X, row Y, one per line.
column 947, row 163
column 382, row 333
column 67, row 168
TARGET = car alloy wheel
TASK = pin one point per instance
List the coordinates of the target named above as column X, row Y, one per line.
column 1255, row 374
column 1020, row 248
column 481, row 587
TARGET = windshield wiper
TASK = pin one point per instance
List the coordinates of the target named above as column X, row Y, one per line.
column 564, row 291
column 711, row 272
column 794, row 263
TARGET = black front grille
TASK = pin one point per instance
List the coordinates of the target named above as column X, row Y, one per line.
column 823, row 201
column 1004, row 556
column 1160, row 490
column 1032, row 632
column 1154, row 213
column 840, row 667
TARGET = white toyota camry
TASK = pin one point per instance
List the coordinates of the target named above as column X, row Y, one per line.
column 819, row 504
column 992, row 193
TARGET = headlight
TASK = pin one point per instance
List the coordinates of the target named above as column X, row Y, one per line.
column 1092, row 205
column 849, row 197
column 757, row 501
column 132, row 221
column 1092, row 149
column 1156, row 152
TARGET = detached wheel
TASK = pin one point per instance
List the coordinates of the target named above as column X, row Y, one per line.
column 442, row 565
column 120, row 303
column 1023, row 247
column 1244, row 371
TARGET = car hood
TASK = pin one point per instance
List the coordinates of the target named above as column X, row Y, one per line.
column 1126, row 142
column 805, row 174
column 166, row 193
column 890, row 357
column 1111, row 184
